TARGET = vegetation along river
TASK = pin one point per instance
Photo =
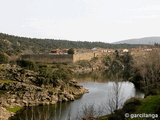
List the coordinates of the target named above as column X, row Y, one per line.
column 102, row 99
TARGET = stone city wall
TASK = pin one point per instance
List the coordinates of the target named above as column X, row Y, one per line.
column 83, row 56
column 88, row 56
column 45, row 58
column 48, row 58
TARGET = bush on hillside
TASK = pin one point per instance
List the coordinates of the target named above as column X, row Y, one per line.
column 3, row 58
column 27, row 64
column 63, row 74
column 95, row 59
column 47, row 76
column 130, row 104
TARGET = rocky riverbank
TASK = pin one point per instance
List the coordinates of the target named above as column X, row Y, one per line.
column 21, row 91
column 16, row 94
column 5, row 114
column 85, row 66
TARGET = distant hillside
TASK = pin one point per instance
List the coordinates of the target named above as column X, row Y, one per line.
column 146, row 40
column 14, row 45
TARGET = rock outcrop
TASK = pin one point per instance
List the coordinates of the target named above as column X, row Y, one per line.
column 5, row 114
column 18, row 89
column 19, row 94
column 94, row 66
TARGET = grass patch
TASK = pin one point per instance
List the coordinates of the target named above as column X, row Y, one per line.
column 78, row 96
column 2, row 67
column 103, row 118
column 15, row 109
column 7, row 81
column 149, row 105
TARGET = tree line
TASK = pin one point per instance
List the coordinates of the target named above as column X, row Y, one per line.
column 14, row 45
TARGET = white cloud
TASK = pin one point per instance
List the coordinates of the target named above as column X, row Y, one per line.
column 91, row 20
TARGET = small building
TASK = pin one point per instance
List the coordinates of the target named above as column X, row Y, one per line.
column 104, row 50
column 94, row 49
column 125, row 50
column 58, row 51
column 55, row 51
column 98, row 49
column 111, row 51
column 148, row 50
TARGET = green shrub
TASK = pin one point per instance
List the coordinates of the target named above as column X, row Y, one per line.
column 22, row 71
column 3, row 58
column 27, row 64
column 48, row 76
column 94, row 59
column 118, row 115
column 149, row 105
column 135, row 101
column 107, row 61
column 12, row 62
column 151, row 92
column 71, row 51
column 42, row 65
column 63, row 74
column 130, row 104
column 45, row 76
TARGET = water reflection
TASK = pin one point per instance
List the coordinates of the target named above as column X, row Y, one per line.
column 100, row 92
column 98, row 76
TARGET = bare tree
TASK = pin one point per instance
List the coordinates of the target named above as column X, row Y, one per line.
column 69, row 113
column 115, row 97
column 60, row 111
column 89, row 112
column 148, row 68
column 55, row 111
column 37, row 114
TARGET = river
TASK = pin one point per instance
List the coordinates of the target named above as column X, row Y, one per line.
column 99, row 101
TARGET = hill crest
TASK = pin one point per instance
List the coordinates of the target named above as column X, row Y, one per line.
column 145, row 40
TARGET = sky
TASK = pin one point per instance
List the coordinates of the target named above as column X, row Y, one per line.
column 81, row 20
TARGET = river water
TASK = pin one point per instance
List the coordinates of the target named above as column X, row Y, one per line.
column 99, row 101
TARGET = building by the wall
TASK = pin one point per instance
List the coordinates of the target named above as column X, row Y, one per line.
column 58, row 51
column 125, row 50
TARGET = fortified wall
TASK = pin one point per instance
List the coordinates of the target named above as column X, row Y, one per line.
column 45, row 58
column 87, row 56
column 83, row 56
